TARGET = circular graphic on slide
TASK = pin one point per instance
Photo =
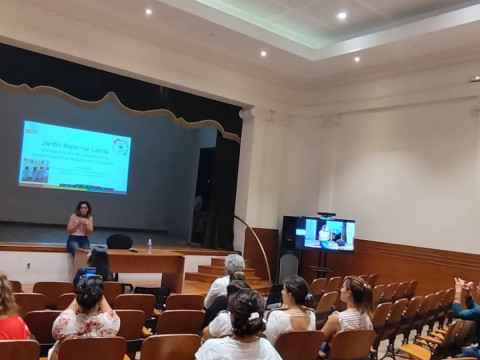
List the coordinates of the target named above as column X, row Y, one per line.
column 120, row 147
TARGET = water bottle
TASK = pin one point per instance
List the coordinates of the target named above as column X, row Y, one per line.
column 149, row 246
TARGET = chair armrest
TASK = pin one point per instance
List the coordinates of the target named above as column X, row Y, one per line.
column 156, row 313
column 146, row 332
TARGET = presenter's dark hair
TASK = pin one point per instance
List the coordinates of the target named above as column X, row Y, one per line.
column 298, row 288
column 89, row 291
column 99, row 260
column 247, row 308
column 77, row 209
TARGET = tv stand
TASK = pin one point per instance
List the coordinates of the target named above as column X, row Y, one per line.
column 322, row 269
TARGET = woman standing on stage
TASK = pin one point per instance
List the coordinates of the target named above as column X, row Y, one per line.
column 80, row 224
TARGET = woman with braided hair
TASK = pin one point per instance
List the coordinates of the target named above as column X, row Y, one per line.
column 246, row 308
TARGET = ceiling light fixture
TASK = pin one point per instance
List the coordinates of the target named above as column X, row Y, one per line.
column 263, row 53
column 148, row 11
column 475, row 78
column 342, row 15
column 356, row 58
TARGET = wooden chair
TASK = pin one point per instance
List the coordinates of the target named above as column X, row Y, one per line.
column 16, row 286
column 426, row 347
column 52, row 291
column 131, row 326
column 333, row 284
column 144, row 302
column 372, row 280
column 445, row 307
column 408, row 316
column 389, row 292
column 364, row 278
column 106, row 348
column 180, row 322
column 184, row 302
column 410, row 292
column 111, row 289
column 317, row 286
column 432, row 316
column 325, row 308
column 65, row 300
column 40, row 323
column 29, row 302
column 421, row 317
column 170, row 346
column 351, row 344
column 19, row 349
column 391, row 325
column 377, row 293
column 379, row 320
column 299, row 345
column 400, row 291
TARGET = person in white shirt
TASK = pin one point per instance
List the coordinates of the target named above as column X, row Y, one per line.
column 233, row 263
column 246, row 308
column 297, row 316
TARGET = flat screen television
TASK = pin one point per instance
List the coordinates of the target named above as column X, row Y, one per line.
column 313, row 233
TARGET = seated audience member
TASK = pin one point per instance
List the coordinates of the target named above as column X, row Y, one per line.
column 471, row 313
column 89, row 315
column 246, row 308
column 297, row 316
column 99, row 260
column 233, row 263
column 12, row 327
column 357, row 294
column 220, row 303
column 221, row 325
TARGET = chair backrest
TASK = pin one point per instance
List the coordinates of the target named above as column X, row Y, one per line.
column 40, row 323
column 351, row 344
column 160, row 292
column 400, row 291
column 389, row 292
column 29, row 302
column 381, row 313
column 326, row 302
column 299, row 345
column 65, row 300
column 413, row 306
column 372, row 280
column 119, row 241
column 397, row 310
column 333, row 284
column 412, row 286
column 106, row 348
column 144, row 302
column 377, row 293
column 52, row 291
column 131, row 323
column 19, row 349
column 16, row 286
column 184, row 301
column 170, row 346
column 464, row 332
column 180, row 322
column 111, row 289
column 317, row 286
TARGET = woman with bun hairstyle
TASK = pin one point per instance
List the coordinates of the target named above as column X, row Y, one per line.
column 12, row 327
column 297, row 316
column 246, row 308
column 357, row 294
column 89, row 315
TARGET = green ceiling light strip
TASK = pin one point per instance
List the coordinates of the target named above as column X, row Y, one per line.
column 313, row 41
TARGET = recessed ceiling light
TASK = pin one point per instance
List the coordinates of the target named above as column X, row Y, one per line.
column 342, row 15
column 475, row 78
column 263, row 53
column 356, row 58
column 148, row 11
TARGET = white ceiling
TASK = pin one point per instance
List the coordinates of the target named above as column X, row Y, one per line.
column 305, row 41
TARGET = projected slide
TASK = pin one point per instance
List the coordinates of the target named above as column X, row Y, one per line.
column 65, row 158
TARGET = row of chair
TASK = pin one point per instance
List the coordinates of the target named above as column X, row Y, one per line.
column 295, row 345
column 324, row 285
